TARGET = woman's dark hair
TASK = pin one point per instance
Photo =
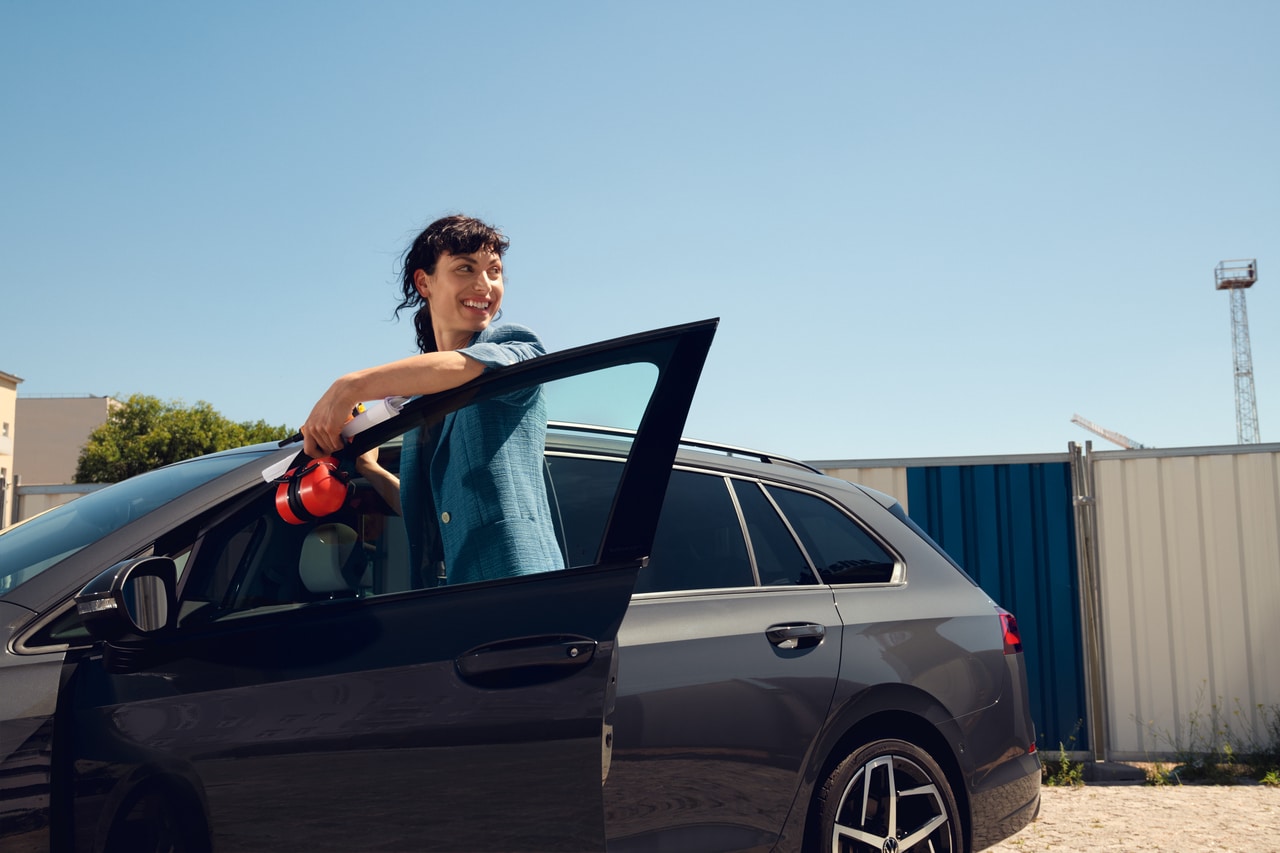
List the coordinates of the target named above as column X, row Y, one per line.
column 456, row 235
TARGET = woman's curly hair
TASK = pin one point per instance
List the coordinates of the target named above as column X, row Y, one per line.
column 456, row 235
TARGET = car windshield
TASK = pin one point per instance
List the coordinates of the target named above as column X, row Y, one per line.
column 27, row 549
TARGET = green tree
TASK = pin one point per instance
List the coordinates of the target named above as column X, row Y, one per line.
column 144, row 433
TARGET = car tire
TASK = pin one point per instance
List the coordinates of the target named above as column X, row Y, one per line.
column 909, row 804
column 155, row 820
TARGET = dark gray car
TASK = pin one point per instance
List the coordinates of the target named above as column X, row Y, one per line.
column 741, row 654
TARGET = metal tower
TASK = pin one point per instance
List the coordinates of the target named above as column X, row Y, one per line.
column 1237, row 276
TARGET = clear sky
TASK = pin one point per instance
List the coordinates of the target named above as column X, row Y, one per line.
column 928, row 228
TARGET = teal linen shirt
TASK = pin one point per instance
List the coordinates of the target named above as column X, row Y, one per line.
column 487, row 492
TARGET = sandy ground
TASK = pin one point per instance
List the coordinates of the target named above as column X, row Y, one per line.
column 1238, row 818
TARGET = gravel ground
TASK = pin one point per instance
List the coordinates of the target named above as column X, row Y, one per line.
column 1238, row 818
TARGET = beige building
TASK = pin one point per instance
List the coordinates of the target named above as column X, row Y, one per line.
column 40, row 442
column 54, row 429
column 8, row 418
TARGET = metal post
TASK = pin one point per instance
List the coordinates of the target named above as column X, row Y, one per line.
column 1086, row 524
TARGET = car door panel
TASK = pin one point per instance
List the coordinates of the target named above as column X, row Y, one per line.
column 306, row 720
column 714, row 719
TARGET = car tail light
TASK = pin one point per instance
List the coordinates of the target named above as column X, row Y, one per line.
column 1009, row 627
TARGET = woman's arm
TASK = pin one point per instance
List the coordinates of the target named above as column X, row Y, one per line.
column 386, row 484
column 426, row 373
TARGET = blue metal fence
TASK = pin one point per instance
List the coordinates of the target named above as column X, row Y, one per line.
column 1011, row 527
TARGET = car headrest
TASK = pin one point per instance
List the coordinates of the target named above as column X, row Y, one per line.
column 325, row 562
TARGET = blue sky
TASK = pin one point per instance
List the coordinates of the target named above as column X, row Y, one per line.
column 928, row 228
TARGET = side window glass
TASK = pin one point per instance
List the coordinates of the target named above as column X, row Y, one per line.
column 842, row 551
column 255, row 561
column 779, row 560
column 699, row 542
column 581, row 492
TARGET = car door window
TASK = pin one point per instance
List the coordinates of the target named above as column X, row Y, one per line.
column 581, row 491
column 699, row 542
column 839, row 547
column 778, row 558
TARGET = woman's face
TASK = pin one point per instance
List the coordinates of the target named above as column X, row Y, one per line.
column 464, row 294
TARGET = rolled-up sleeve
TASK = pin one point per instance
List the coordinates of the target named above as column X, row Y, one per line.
column 501, row 346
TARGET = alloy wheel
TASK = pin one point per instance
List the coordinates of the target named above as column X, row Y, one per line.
column 893, row 798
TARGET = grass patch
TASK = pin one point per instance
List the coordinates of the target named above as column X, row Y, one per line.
column 1213, row 749
column 1062, row 771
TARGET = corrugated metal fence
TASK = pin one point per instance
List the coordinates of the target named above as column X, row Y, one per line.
column 1146, row 583
column 1189, row 579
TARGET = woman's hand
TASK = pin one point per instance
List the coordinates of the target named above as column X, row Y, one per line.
column 424, row 373
column 322, row 432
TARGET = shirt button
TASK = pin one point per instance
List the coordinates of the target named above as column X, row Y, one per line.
column 444, row 516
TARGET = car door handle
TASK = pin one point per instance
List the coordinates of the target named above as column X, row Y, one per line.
column 796, row 636
column 527, row 660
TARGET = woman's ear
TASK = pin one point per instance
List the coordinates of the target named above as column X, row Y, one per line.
column 422, row 282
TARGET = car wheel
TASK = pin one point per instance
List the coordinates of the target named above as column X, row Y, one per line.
column 156, row 822
column 889, row 795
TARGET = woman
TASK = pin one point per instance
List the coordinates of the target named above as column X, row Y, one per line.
column 471, row 489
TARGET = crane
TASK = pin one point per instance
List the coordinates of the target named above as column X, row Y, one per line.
column 1113, row 437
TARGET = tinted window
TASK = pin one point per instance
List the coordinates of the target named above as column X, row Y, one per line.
column 842, row 551
column 779, row 560
column 581, row 493
column 699, row 543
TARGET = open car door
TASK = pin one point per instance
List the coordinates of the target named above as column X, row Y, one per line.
column 269, row 711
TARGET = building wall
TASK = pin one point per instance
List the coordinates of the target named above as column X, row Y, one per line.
column 30, row 501
column 1189, row 576
column 52, row 432
column 8, row 425
column 890, row 478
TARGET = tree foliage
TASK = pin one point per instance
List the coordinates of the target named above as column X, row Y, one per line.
column 144, row 433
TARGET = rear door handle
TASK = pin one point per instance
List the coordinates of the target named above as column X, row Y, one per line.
column 801, row 635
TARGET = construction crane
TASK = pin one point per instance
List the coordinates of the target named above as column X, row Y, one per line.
column 1236, row 277
column 1113, row 437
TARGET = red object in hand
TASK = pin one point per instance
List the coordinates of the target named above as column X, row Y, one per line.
column 313, row 491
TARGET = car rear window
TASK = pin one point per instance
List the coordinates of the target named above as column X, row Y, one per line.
column 843, row 552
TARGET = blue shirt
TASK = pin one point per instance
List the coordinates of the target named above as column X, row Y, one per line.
column 485, row 476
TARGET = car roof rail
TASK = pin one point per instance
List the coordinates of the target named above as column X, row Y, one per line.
column 727, row 449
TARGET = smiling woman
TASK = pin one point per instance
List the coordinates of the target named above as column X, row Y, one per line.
column 452, row 275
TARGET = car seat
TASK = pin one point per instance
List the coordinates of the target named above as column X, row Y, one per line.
column 331, row 561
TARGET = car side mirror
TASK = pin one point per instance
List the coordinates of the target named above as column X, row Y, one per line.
column 135, row 597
